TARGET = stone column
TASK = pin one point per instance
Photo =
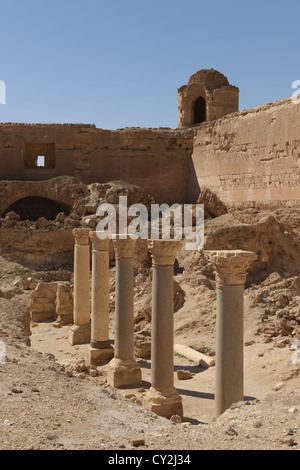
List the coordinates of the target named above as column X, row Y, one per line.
column 100, row 349
column 163, row 398
column 231, row 270
column 123, row 369
column 80, row 331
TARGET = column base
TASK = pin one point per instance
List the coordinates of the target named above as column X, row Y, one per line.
column 79, row 334
column 123, row 372
column 97, row 356
column 165, row 403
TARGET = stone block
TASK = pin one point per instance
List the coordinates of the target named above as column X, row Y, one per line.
column 121, row 373
column 79, row 334
column 97, row 356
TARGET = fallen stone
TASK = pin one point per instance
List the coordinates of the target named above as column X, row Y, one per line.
column 7, row 422
column 184, row 374
column 293, row 410
column 176, row 419
column 90, row 222
column 16, row 390
column 193, row 355
column 61, row 217
column 296, row 357
column 137, row 442
column 295, row 344
column 231, row 431
column 290, row 441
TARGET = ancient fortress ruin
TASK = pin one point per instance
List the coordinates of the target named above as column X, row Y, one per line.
column 248, row 156
column 53, row 178
column 244, row 158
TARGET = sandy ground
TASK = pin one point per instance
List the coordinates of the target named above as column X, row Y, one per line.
column 51, row 400
column 265, row 368
column 253, row 424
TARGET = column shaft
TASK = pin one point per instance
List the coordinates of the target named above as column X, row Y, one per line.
column 123, row 369
column 82, row 285
column 231, row 268
column 229, row 347
column 162, row 329
column 81, row 330
column 100, row 349
column 163, row 398
column 124, row 326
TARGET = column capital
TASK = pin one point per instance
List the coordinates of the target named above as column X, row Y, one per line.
column 163, row 252
column 231, row 266
column 81, row 236
column 124, row 247
column 99, row 244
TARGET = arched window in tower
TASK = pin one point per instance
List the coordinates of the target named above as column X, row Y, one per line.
column 199, row 110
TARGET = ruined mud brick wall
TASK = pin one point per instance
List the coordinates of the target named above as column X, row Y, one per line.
column 154, row 159
column 42, row 307
column 34, row 248
column 52, row 301
column 250, row 157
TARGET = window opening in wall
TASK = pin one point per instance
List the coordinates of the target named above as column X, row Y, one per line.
column 199, row 110
column 39, row 155
column 41, row 161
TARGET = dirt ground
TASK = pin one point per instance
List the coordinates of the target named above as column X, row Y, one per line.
column 51, row 399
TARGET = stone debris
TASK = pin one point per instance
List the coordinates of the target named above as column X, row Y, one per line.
column 193, row 355
column 136, row 442
column 184, row 374
column 176, row 419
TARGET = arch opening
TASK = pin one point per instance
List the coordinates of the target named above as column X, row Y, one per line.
column 32, row 208
column 199, row 110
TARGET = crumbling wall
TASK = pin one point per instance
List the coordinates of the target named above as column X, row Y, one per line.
column 35, row 248
column 42, row 306
column 250, row 157
column 154, row 159
column 52, row 301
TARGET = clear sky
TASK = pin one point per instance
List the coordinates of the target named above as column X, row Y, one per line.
column 119, row 63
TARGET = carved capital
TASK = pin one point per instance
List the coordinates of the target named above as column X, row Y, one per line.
column 99, row 244
column 81, row 236
column 124, row 247
column 231, row 266
column 163, row 252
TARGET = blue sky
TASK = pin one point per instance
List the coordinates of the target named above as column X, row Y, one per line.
column 119, row 63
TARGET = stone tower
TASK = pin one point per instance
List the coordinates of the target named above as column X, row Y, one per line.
column 207, row 96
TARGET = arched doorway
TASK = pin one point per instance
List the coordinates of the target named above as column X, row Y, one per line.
column 31, row 208
column 199, row 110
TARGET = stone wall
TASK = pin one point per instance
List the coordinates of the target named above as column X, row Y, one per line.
column 52, row 301
column 35, row 248
column 250, row 157
column 154, row 159
column 245, row 157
